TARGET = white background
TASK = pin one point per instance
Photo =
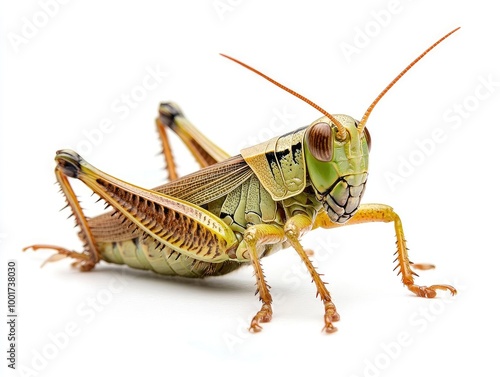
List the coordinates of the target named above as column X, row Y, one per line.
column 60, row 84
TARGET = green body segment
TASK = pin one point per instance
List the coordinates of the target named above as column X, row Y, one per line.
column 146, row 255
column 279, row 164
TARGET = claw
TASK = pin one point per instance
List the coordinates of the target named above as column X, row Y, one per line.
column 331, row 316
column 430, row 292
column 82, row 261
column 449, row 288
column 263, row 315
column 328, row 328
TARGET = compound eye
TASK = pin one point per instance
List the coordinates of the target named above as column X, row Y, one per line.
column 319, row 139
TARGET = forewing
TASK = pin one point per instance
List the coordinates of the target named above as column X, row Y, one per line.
column 198, row 188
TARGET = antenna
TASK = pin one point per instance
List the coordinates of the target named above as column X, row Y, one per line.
column 341, row 131
column 362, row 123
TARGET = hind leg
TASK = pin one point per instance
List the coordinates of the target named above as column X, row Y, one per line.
column 170, row 117
column 203, row 150
column 87, row 259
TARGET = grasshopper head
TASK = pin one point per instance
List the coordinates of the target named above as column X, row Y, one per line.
column 337, row 166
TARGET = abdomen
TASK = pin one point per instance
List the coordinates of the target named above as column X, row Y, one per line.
column 145, row 255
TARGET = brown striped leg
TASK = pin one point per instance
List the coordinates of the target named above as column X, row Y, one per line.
column 203, row 150
column 167, row 151
column 88, row 259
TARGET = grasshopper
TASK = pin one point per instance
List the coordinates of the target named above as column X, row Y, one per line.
column 236, row 210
